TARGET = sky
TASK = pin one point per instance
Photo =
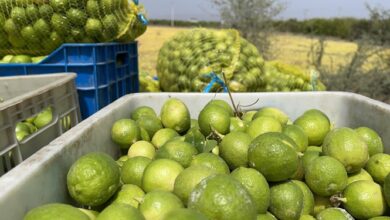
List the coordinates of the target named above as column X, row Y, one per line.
column 300, row 9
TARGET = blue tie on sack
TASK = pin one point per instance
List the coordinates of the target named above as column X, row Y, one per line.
column 141, row 17
column 214, row 79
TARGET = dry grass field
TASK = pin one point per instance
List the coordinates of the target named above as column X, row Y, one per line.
column 288, row 48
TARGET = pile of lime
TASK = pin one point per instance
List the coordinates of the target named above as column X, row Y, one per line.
column 31, row 125
column 220, row 166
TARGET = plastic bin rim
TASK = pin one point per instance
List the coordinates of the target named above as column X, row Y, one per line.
column 7, row 181
column 62, row 78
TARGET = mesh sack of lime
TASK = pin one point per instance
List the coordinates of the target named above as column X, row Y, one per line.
column 37, row 27
column 186, row 63
column 228, row 165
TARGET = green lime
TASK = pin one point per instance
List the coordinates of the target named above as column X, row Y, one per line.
column 133, row 170
column 234, row 149
column 184, row 214
column 334, row 213
column 267, row 216
column 59, row 5
column 93, row 9
column 150, row 123
column 326, row 176
column 263, row 125
column 237, row 124
column 90, row 213
column 214, row 118
column 77, row 17
column 157, row 204
column 142, row 148
column 274, row 155
column 308, row 158
column 346, row 146
column 93, row 27
column 300, row 173
column 20, row 126
column 315, row 124
column 222, row 104
column 161, row 174
column 372, row 139
column 364, row 199
column 286, row 201
column 142, row 111
column 307, row 217
column 125, row 132
column 314, row 148
column 43, row 118
column 175, row 115
column 273, row 113
column 120, row 211
column 378, row 166
column 380, row 218
column 179, row 151
column 212, row 162
column 308, row 197
column 360, row 175
column 386, row 189
column 222, row 197
column 121, row 160
column 298, row 135
column 188, row 179
column 55, row 211
column 129, row 194
column 248, row 116
column 60, row 24
column 257, row 186
column 20, row 135
column 93, row 179
column 162, row 136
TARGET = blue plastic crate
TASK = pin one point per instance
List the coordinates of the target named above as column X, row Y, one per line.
column 105, row 71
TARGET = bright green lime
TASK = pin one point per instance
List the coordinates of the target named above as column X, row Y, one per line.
column 286, row 201
column 234, row 149
column 129, row 194
column 175, row 115
column 120, row 211
column 298, row 135
column 263, row 125
column 184, row 214
column 188, row 179
column 125, row 132
column 162, row 136
column 346, row 146
column 274, row 155
column 214, row 118
column 273, row 113
column 142, row 111
column 211, row 161
column 315, row 124
column 93, row 179
column 161, row 174
column 326, row 176
column 372, row 139
column 222, row 197
column 378, row 166
column 179, row 151
column 257, row 186
column 308, row 197
column 157, row 204
column 133, row 170
column 55, row 211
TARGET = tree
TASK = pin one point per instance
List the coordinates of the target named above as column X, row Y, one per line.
column 253, row 18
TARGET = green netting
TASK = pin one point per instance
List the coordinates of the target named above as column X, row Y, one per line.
column 186, row 61
column 37, row 27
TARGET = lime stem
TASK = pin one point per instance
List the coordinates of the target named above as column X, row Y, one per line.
column 236, row 112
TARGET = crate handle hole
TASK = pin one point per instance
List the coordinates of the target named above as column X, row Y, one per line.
column 121, row 58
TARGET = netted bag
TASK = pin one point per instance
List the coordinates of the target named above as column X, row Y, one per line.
column 284, row 77
column 185, row 62
column 37, row 27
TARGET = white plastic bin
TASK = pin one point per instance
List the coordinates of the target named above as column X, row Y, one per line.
column 26, row 96
column 42, row 177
